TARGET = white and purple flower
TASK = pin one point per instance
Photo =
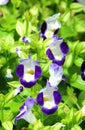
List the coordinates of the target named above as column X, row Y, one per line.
column 28, row 71
column 57, row 51
column 50, row 27
column 26, row 111
column 56, row 74
column 83, row 70
column 49, row 98
column 26, row 39
column 9, row 74
column 18, row 90
column 3, row 2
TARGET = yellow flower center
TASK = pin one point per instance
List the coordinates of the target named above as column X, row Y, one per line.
column 46, row 99
column 30, row 72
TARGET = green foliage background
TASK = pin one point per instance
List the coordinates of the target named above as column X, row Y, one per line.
column 23, row 18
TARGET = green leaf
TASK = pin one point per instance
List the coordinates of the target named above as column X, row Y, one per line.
column 7, row 125
column 14, row 84
column 20, row 28
column 79, row 83
column 76, row 127
column 76, row 7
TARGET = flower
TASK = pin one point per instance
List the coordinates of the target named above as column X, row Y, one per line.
column 57, row 51
column 56, row 74
column 83, row 110
column 26, row 39
column 49, row 98
column 9, row 74
column 83, row 70
column 26, row 111
column 18, row 51
column 50, row 27
column 28, row 71
column 18, row 90
column 3, row 2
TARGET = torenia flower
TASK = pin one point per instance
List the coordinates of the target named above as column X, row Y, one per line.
column 9, row 74
column 3, row 2
column 56, row 74
column 26, row 39
column 50, row 27
column 57, row 51
column 26, row 111
column 49, row 98
column 18, row 90
column 28, row 71
column 83, row 70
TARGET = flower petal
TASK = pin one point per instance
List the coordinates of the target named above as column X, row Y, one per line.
column 38, row 72
column 40, row 99
column 20, row 70
column 50, row 54
column 27, row 84
column 49, row 111
column 64, row 48
column 57, row 97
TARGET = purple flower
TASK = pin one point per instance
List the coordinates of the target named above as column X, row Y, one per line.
column 56, row 74
column 49, row 98
column 80, row 1
column 26, row 111
column 3, row 2
column 26, row 39
column 18, row 90
column 28, row 71
column 57, row 51
column 83, row 70
column 50, row 27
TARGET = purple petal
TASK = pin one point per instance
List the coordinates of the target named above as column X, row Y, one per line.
column 49, row 111
column 83, row 66
column 83, row 75
column 3, row 2
column 56, row 31
column 49, row 54
column 57, row 97
column 59, row 62
column 19, row 117
column 38, row 72
column 43, row 27
column 26, row 39
column 20, row 70
column 40, row 99
column 27, row 84
column 29, row 102
column 64, row 48
column 18, row 90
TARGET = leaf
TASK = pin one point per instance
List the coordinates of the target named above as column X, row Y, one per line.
column 14, row 84
column 20, row 28
column 79, row 83
column 76, row 7
column 7, row 125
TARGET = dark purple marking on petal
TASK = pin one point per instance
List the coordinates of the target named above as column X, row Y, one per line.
column 39, row 99
column 56, row 31
column 83, row 66
column 43, row 27
column 83, row 75
column 57, row 97
column 64, row 47
column 50, row 54
column 27, row 84
column 49, row 111
column 20, row 70
column 19, row 117
column 43, row 36
column 59, row 62
column 38, row 72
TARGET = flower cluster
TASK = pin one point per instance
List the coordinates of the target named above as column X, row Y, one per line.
column 29, row 71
